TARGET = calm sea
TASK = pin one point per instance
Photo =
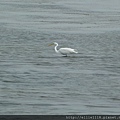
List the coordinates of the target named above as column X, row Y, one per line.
column 36, row 80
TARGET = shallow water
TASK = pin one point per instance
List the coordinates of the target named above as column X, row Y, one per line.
column 36, row 80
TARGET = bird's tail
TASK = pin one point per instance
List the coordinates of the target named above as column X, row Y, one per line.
column 75, row 50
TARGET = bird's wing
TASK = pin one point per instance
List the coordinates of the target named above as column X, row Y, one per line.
column 66, row 50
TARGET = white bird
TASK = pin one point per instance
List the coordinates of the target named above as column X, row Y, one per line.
column 63, row 51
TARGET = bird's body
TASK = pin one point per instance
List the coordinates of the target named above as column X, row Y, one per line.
column 64, row 51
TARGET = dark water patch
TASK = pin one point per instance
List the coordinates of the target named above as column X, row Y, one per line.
column 98, row 106
column 8, row 103
column 42, row 104
column 115, row 99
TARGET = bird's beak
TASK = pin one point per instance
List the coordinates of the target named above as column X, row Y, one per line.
column 50, row 44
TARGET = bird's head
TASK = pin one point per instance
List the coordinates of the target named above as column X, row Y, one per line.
column 53, row 44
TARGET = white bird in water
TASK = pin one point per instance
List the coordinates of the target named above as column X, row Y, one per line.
column 63, row 51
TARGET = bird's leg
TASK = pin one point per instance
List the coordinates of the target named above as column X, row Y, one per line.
column 66, row 55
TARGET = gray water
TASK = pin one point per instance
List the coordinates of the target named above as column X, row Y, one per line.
column 36, row 80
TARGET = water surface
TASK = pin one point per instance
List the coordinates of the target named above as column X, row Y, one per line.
column 36, row 80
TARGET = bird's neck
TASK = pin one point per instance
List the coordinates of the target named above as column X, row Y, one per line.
column 56, row 49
